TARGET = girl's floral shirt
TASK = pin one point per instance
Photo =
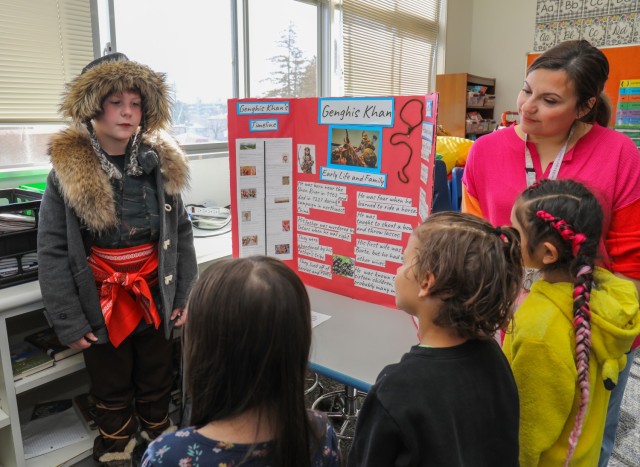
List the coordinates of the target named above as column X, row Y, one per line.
column 188, row 448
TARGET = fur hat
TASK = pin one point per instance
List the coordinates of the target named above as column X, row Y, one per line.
column 83, row 96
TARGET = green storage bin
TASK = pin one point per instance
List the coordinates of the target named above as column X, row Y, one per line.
column 36, row 187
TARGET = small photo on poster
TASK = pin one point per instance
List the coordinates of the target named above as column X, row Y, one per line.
column 282, row 249
column 248, row 193
column 343, row 265
column 286, row 225
column 248, row 146
column 248, row 171
column 429, row 109
column 246, row 216
column 249, row 240
column 355, row 148
column 306, row 158
column 286, row 180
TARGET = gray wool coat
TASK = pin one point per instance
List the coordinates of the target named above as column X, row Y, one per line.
column 79, row 198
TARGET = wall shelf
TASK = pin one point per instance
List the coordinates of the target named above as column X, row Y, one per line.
column 58, row 370
column 65, row 456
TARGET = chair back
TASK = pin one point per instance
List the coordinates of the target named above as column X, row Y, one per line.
column 456, row 188
column 441, row 196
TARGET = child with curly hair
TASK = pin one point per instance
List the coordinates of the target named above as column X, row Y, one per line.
column 452, row 399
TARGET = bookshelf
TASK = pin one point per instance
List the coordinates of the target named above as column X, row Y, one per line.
column 453, row 103
column 20, row 315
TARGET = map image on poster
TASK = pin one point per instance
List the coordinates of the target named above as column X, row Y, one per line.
column 332, row 186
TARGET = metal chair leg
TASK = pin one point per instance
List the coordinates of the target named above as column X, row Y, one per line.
column 315, row 384
column 350, row 401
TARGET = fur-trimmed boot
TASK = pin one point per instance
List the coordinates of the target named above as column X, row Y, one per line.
column 117, row 440
column 155, row 421
column 154, row 417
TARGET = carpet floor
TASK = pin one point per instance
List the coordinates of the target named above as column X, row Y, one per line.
column 627, row 448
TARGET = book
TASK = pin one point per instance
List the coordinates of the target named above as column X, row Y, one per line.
column 47, row 341
column 27, row 359
column 44, row 409
column 85, row 406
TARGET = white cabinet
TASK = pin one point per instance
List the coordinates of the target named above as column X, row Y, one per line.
column 21, row 313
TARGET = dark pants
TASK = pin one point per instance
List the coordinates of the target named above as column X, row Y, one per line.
column 140, row 371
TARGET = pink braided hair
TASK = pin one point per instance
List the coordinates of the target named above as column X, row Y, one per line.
column 565, row 231
column 581, row 323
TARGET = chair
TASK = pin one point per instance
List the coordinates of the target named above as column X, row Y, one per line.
column 342, row 408
column 456, row 188
column 441, row 197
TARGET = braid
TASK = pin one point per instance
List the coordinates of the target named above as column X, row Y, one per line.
column 582, row 325
column 565, row 230
column 581, row 318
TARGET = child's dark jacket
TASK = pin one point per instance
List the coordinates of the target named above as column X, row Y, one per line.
column 448, row 407
column 79, row 198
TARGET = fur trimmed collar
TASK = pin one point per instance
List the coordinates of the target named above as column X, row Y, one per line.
column 86, row 188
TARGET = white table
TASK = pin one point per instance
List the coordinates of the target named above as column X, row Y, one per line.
column 211, row 248
column 358, row 340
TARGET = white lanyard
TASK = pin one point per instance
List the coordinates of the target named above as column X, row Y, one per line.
column 531, row 274
column 555, row 168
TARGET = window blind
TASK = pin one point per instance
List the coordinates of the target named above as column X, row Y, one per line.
column 389, row 46
column 43, row 45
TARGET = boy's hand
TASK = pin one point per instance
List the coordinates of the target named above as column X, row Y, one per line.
column 180, row 315
column 84, row 342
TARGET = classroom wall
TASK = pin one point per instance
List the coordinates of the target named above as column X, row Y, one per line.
column 458, row 27
column 500, row 34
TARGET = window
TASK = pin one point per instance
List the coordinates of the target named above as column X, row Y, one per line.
column 43, row 44
column 389, row 46
column 190, row 41
column 284, row 50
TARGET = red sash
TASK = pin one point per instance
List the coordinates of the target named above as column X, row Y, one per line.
column 123, row 277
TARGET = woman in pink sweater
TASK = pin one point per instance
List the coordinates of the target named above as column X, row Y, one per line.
column 563, row 134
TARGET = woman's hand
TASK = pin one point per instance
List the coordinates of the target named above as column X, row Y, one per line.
column 84, row 342
column 180, row 315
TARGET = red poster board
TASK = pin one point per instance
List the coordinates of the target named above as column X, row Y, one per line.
column 332, row 186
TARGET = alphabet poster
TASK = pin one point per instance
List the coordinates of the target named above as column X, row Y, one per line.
column 332, row 186
column 601, row 22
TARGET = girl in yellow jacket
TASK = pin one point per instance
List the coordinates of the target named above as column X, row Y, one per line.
column 568, row 340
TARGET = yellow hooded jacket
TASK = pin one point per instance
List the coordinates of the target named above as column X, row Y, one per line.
column 541, row 350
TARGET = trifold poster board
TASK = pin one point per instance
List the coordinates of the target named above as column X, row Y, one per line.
column 332, row 186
